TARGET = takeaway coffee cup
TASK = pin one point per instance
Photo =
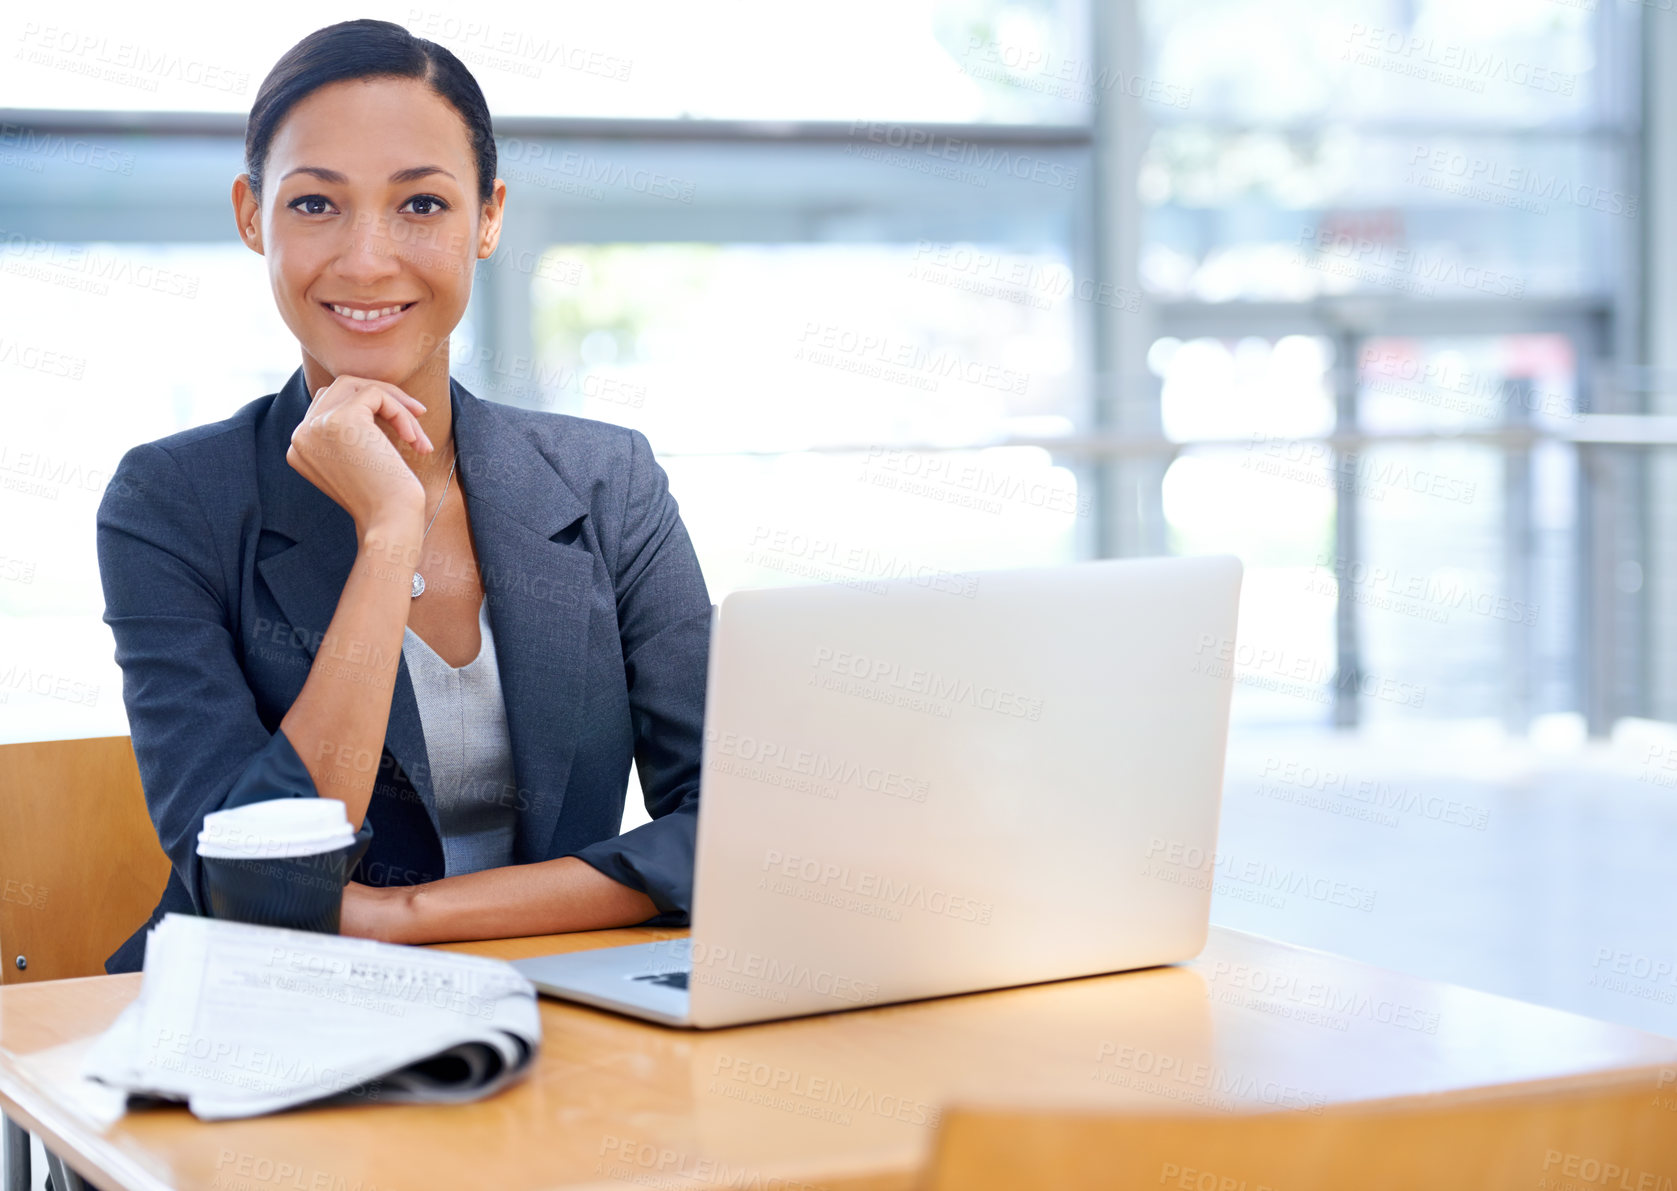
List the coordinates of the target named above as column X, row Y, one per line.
column 282, row 862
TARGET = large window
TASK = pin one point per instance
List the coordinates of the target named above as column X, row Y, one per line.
column 1343, row 316
column 1441, row 201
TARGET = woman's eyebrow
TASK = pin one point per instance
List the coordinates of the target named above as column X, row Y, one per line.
column 412, row 173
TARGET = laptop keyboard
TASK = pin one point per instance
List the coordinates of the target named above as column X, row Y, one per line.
column 667, row 979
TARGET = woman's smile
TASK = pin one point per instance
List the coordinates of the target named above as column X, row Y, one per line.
column 366, row 318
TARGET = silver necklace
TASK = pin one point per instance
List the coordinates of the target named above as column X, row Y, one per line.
column 418, row 579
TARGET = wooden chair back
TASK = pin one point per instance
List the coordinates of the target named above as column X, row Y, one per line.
column 80, row 865
column 1613, row 1130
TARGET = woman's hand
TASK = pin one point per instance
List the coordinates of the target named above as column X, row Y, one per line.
column 382, row 912
column 340, row 448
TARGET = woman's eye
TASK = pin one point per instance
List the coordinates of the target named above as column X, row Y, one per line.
column 304, row 203
column 429, row 204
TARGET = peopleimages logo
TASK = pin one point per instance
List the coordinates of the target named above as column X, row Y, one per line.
column 937, row 476
column 1198, row 1082
column 990, row 159
column 823, row 343
column 1370, row 473
column 1596, row 1172
column 1446, row 592
column 506, row 48
column 1449, row 63
column 1499, row 179
column 1445, row 384
column 125, row 62
column 41, row 145
column 1272, row 668
column 540, row 158
column 1035, row 68
column 1015, row 278
column 782, row 1083
column 817, row 765
column 824, row 554
column 1378, row 794
column 903, row 894
column 1381, row 262
column 916, row 680
column 1282, row 985
column 765, row 976
column 1179, row 863
column 87, row 269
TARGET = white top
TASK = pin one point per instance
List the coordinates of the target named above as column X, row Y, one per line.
column 469, row 749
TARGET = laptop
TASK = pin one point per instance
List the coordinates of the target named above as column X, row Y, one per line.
column 924, row 786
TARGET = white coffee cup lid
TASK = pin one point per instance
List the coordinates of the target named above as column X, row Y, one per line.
column 277, row 827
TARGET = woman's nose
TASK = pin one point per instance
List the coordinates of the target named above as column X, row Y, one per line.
column 372, row 250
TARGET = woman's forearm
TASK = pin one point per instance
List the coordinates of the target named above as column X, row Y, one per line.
column 544, row 898
column 338, row 721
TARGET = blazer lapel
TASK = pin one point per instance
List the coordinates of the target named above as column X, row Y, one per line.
column 538, row 591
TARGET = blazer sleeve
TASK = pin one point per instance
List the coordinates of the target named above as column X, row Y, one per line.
column 664, row 617
column 198, row 739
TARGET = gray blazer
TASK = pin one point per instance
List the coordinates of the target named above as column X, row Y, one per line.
column 222, row 567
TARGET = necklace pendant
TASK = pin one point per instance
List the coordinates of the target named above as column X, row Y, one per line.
column 418, row 579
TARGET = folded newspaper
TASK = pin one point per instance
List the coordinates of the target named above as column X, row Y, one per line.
column 239, row 1020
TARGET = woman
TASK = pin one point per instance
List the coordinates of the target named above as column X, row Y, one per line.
column 460, row 618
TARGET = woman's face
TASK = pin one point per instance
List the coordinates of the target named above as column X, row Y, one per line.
column 370, row 202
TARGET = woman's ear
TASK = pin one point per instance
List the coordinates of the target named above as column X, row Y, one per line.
column 247, row 212
column 489, row 226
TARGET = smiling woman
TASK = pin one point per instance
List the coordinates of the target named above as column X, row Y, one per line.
column 262, row 573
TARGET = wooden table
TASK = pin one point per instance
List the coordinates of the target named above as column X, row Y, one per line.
column 847, row 1100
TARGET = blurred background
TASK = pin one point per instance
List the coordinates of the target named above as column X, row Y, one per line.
column 1378, row 295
